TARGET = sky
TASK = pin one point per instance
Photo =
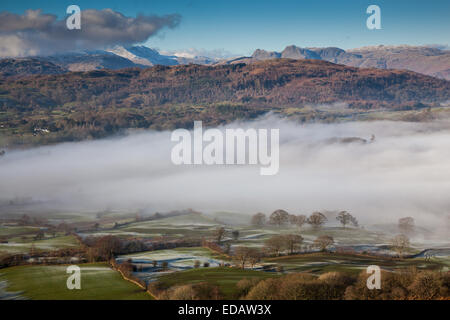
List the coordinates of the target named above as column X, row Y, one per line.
column 240, row 27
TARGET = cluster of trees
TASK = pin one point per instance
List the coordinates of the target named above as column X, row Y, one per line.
column 280, row 243
column 403, row 285
column 409, row 284
column 102, row 248
column 106, row 247
column 275, row 246
column 278, row 218
column 61, row 256
column 220, row 233
column 244, row 255
column 401, row 242
column 316, row 219
column 198, row 291
column 329, row 286
column 323, row 242
column 292, row 243
column 346, row 218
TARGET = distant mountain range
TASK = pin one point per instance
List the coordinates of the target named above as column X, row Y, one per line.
column 426, row 60
column 113, row 59
column 422, row 59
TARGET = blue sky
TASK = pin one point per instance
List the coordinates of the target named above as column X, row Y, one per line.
column 242, row 26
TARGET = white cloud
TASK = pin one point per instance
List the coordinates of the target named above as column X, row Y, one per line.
column 404, row 172
column 36, row 33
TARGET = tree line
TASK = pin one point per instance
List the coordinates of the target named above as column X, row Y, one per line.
column 316, row 219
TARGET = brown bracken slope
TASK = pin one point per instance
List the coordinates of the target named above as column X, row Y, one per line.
column 100, row 102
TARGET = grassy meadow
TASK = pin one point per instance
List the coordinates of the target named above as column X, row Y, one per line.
column 98, row 282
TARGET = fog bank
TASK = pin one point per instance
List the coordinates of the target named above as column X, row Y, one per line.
column 405, row 171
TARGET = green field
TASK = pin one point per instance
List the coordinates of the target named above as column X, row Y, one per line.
column 23, row 244
column 98, row 282
column 328, row 262
column 190, row 225
column 189, row 254
column 6, row 231
column 223, row 277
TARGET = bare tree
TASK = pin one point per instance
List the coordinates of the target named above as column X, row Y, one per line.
column 275, row 244
column 108, row 246
column 400, row 243
column 241, row 255
column 316, row 219
column 298, row 220
column 293, row 242
column 254, row 256
column 279, row 217
column 219, row 234
column 292, row 218
column 346, row 218
column 258, row 219
column 323, row 242
column 406, row 225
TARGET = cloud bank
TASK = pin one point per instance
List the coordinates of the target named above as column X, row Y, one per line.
column 404, row 172
column 37, row 33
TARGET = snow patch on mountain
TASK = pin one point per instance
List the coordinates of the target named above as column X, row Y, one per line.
column 144, row 56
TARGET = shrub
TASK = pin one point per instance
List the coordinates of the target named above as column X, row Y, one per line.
column 264, row 290
column 200, row 291
column 299, row 287
column 186, row 292
column 426, row 286
column 407, row 284
column 245, row 285
column 206, row 291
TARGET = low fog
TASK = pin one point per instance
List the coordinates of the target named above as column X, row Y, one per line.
column 405, row 171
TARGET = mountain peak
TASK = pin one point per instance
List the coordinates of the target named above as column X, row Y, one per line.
column 142, row 55
column 429, row 60
column 263, row 54
column 294, row 52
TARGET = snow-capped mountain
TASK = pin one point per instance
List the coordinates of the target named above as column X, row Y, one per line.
column 145, row 56
column 89, row 60
column 427, row 60
column 422, row 59
column 121, row 57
